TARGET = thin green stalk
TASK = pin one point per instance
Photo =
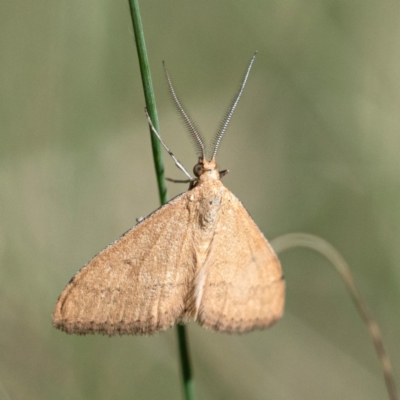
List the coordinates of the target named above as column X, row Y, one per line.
column 149, row 97
column 188, row 382
column 186, row 369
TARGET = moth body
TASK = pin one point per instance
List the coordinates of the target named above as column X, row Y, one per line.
column 199, row 257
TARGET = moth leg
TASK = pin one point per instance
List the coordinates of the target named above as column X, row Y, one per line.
column 223, row 173
column 177, row 162
column 178, row 180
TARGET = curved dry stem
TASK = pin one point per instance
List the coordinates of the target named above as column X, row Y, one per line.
column 291, row 240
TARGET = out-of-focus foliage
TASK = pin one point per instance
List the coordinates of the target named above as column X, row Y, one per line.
column 314, row 147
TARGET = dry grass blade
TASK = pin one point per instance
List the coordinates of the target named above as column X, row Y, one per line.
column 291, row 240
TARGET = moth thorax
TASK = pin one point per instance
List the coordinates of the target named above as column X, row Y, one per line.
column 210, row 205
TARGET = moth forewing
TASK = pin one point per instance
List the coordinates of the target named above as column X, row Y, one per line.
column 138, row 284
column 241, row 283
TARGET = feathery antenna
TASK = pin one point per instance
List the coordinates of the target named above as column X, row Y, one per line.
column 190, row 125
column 228, row 115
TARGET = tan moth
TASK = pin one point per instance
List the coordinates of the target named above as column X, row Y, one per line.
column 200, row 257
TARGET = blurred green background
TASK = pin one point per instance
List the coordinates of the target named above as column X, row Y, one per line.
column 313, row 147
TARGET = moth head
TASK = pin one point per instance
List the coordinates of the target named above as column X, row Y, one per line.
column 206, row 170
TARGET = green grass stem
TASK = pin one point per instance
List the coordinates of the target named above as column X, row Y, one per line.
column 149, row 97
column 186, row 369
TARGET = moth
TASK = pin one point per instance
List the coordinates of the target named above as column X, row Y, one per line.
column 200, row 257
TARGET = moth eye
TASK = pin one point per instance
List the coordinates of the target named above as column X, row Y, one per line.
column 198, row 169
